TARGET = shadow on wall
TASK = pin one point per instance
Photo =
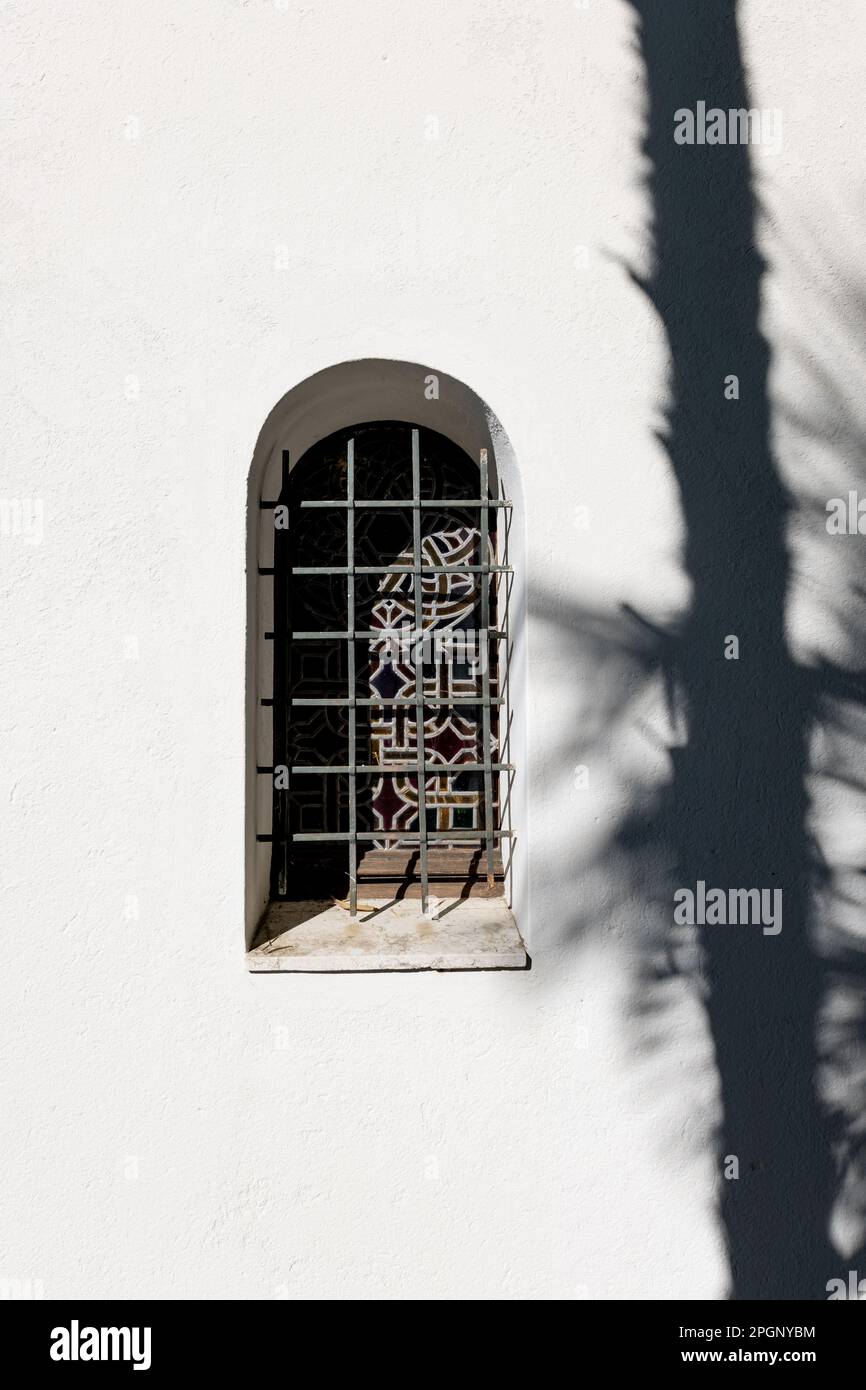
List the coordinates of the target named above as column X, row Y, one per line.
column 785, row 1008
column 736, row 810
column 821, row 439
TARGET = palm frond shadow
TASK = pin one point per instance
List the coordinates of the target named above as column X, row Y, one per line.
column 751, row 770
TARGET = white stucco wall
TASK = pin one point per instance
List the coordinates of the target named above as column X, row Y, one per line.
column 208, row 203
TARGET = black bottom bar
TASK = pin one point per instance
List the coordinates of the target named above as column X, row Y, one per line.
column 242, row 1337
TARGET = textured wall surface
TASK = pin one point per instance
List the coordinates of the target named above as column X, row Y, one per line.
column 207, row 203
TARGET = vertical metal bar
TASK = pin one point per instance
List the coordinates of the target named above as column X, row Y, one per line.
column 282, row 599
column 485, row 581
column 502, row 619
column 350, row 625
column 419, row 666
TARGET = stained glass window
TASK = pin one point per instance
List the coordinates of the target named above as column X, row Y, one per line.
column 389, row 649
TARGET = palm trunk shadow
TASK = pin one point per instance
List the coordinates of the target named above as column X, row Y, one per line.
column 736, row 814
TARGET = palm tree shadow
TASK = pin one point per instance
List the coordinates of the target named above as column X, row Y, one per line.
column 735, row 812
column 742, row 773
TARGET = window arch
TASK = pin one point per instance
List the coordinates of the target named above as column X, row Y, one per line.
column 298, row 890
column 389, row 648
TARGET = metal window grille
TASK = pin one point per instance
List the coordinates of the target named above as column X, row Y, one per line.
column 493, row 583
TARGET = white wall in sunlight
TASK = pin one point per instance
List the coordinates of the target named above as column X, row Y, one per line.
column 207, row 205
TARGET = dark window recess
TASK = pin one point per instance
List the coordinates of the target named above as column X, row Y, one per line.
column 390, row 641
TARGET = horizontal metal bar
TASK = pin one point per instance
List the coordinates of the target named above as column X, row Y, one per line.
column 398, row 569
column 446, row 769
column 442, row 502
column 433, row 569
column 312, row 636
column 493, row 634
column 412, row 835
column 394, row 700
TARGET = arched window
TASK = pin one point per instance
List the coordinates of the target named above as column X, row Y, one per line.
column 382, row 736
column 386, row 660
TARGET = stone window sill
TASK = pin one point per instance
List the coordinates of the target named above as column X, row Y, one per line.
column 463, row 934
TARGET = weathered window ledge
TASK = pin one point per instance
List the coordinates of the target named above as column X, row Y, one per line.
column 463, row 934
